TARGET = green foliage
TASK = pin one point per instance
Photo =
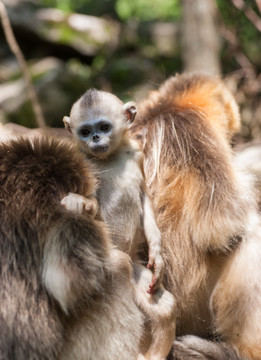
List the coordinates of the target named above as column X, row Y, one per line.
column 124, row 9
column 89, row 7
column 66, row 5
column 124, row 71
column 248, row 36
column 148, row 10
column 25, row 116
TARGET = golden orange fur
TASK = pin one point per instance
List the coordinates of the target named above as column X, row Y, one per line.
column 205, row 209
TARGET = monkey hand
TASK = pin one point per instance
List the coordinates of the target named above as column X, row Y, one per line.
column 157, row 264
column 80, row 204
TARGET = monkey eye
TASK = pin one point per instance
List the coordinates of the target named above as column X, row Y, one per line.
column 84, row 132
column 105, row 127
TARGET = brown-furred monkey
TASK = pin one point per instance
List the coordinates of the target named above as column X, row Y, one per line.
column 65, row 292
column 207, row 215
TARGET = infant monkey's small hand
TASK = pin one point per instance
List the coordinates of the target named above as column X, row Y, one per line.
column 80, row 204
column 157, row 264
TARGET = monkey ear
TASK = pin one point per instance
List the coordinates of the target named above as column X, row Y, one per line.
column 67, row 123
column 130, row 111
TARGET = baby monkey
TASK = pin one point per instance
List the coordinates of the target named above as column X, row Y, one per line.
column 99, row 122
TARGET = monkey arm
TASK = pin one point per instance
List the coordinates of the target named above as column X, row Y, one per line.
column 153, row 236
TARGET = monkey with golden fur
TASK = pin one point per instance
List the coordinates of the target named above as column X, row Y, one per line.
column 99, row 122
column 64, row 289
column 206, row 211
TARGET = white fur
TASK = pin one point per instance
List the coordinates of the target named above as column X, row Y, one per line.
column 56, row 276
column 125, row 206
column 80, row 204
column 119, row 196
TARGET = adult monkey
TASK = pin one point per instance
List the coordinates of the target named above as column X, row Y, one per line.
column 206, row 213
column 64, row 289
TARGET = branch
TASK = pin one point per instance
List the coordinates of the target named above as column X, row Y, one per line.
column 258, row 2
column 247, row 72
column 22, row 63
column 240, row 57
column 249, row 12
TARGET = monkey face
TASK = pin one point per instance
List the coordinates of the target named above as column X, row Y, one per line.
column 99, row 121
column 96, row 136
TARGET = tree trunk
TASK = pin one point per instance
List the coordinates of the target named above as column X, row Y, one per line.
column 200, row 40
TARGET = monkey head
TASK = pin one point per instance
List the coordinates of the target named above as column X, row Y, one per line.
column 99, row 121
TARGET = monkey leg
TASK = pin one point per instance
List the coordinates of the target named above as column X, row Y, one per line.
column 153, row 236
column 236, row 299
column 160, row 313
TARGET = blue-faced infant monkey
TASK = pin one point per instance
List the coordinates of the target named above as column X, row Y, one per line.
column 99, row 122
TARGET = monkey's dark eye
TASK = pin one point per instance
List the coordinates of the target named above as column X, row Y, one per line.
column 84, row 132
column 105, row 127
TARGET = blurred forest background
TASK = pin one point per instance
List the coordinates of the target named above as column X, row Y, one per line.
column 128, row 47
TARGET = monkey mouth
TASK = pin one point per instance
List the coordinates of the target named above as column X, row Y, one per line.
column 99, row 149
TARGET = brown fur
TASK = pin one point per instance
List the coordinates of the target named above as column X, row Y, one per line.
column 204, row 208
column 56, row 266
column 192, row 348
column 103, row 321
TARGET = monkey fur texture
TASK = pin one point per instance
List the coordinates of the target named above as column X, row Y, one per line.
column 65, row 292
column 207, row 214
column 99, row 122
column 249, row 156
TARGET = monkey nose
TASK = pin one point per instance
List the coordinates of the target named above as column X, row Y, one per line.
column 96, row 137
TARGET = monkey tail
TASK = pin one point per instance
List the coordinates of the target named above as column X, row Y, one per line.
column 194, row 348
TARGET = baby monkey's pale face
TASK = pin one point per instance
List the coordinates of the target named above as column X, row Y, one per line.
column 96, row 135
column 98, row 120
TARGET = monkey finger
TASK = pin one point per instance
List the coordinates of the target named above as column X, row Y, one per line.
column 151, row 263
column 150, row 266
column 152, row 286
column 157, row 276
column 91, row 206
column 159, row 272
